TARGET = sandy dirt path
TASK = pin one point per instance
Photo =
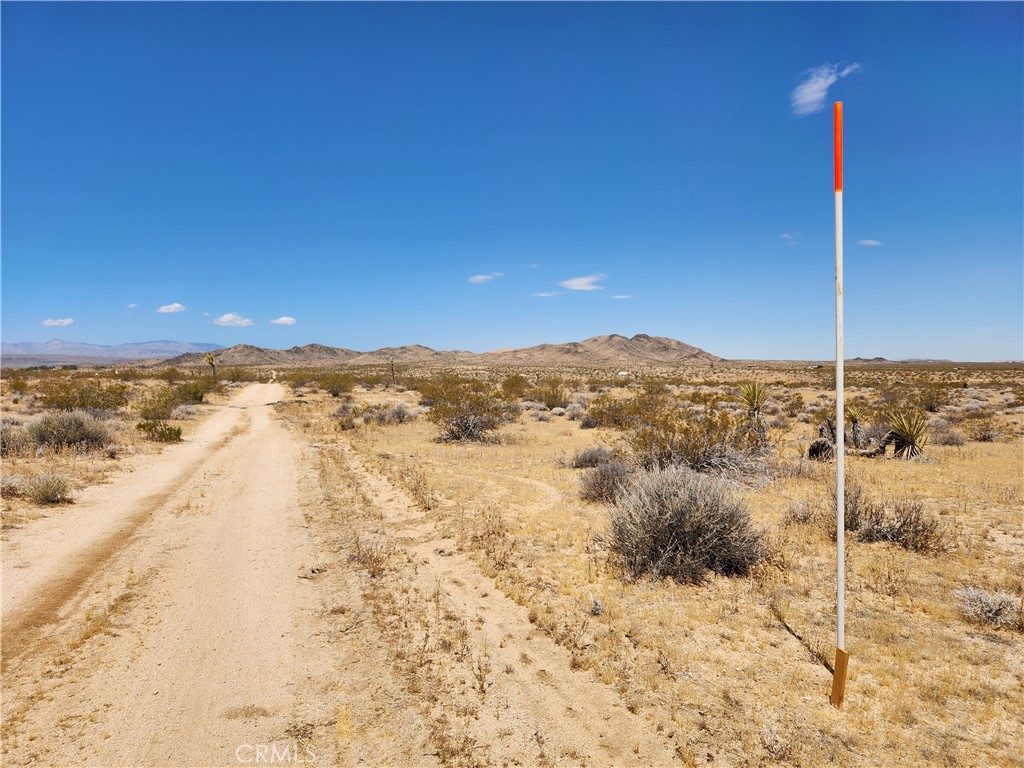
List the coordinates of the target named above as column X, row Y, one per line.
column 165, row 620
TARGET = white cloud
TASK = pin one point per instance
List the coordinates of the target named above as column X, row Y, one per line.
column 132, row 306
column 232, row 320
column 285, row 320
column 485, row 278
column 791, row 238
column 622, row 296
column 548, row 294
column 809, row 97
column 868, row 242
column 588, row 283
column 175, row 307
column 52, row 323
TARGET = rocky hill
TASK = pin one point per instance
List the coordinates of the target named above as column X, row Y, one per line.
column 610, row 351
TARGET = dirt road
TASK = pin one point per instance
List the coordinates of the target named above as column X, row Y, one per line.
column 217, row 605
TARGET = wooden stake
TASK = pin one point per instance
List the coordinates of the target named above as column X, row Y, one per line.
column 839, row 679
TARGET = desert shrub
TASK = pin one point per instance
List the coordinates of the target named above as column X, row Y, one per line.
column 552, row 392
column 858, row 507
column 68, row 429
column 793, row 404
column 184, row 412
column 539, row 416
column 17, row 384
column 66, row 394
column 345, row 414
column 514, row 386
column 604, row 482
column 591, row 457
column 984, row 429
column 384, row 415
column 702, row 440
column 48, row 488
column 588, row 422
column 464, row 410
column 12, row 486
column 932, row 397
column 623, row 413
column 677, row 523
column 905, row 523
column 943, row 433
column 334, row 383
column 575, row 411
column 159, row 431
column 192, row 392
column 13, row 439
column 998, row 609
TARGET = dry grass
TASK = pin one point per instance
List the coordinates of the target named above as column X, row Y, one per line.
column 715, row 664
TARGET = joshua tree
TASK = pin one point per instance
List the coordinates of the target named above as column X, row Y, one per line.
column 213, row 367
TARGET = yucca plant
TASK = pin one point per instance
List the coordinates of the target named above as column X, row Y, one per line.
column 753, row 395
column 854, row 414
column 906, row 434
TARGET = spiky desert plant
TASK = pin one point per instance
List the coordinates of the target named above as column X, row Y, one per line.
column 906, row 428
column 212, row 364
column 753, row 396
column 854, row 414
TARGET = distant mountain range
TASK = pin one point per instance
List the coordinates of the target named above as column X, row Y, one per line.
column 145, row 350
column 597, row 351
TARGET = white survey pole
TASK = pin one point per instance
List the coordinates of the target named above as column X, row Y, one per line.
column 839, row 673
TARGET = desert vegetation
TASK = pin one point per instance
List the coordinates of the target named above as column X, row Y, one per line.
column 666, row 530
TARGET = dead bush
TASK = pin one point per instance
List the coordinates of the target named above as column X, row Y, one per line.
column 591, row 457
column 997, row 609
column 904, row 522
column 603, row 482
column 677, row 523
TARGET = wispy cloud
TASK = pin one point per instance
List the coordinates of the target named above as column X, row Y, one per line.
column 791, row 238
column 622, row 296
column 547, row 294
column 285, row 320
column 132, row 306
column 809, row 97
column 868, row 242
column 169, row 308
column 232, row 320
column 486, row 278
column 588, row 283
column 58, row 323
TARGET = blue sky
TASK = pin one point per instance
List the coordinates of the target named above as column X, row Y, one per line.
column 482, row 176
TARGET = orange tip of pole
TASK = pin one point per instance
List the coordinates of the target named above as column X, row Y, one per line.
column 838, row 113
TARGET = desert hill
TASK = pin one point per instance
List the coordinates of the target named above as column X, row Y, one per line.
column 137, row 351
column 613, row 350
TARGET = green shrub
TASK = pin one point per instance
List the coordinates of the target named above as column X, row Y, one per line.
column 677, row 523
column 160, row 431
column 66, row 394
column 514, row 386
column 705, row 440
column 68, row 429
column 552, row 392
column 464, row 410
column 335, row 383
column 48, row 488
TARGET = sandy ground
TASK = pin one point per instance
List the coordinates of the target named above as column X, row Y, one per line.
column 200, row 610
